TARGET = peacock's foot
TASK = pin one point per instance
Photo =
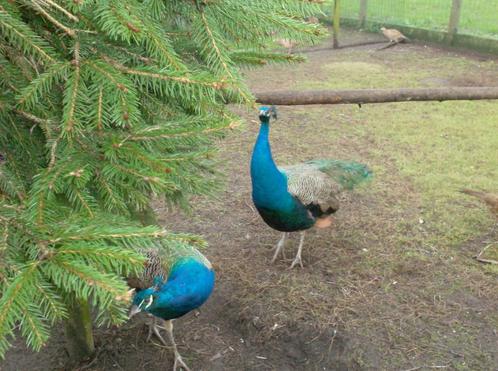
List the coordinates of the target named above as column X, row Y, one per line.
column 179, row 364
column 154, row 329
column 279, row 248
column 297, row 260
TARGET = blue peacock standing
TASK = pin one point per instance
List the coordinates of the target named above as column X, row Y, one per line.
column 176, row 280
column 299, row 197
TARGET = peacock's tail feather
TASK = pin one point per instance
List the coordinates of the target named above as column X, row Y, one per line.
column 347, row 173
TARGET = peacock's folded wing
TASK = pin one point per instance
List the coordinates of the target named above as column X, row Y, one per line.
column 319, row 182
column 312, row 187
column 161, row 256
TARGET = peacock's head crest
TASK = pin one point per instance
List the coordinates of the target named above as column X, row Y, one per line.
column 265, row 113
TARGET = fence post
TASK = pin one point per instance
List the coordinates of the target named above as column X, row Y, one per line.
column 454, row 20
column 363, row 12
column 336, row 18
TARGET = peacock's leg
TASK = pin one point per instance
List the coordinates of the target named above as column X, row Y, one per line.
column 178, row 358
column 297, row 259
column 280, row 246
column 151, row 325
column 154, row 329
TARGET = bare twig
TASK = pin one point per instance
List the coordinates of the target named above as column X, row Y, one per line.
column 389, row 45
column 43, row 12
column 33, row 118
column 61, row 9
column 484, row 260
column 53, row 150
column 421, row 367
column 146, row 60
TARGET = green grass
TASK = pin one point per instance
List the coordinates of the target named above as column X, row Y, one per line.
column 442, row 147
column 397, row 273
column 478, row 17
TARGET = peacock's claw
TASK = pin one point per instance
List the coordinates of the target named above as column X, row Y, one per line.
column 154, row 329
column 296, row 261
column 179, row 363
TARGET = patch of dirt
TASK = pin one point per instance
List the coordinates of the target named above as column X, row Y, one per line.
column 372, row 295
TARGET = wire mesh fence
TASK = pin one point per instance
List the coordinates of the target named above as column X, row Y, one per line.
column 476, row 17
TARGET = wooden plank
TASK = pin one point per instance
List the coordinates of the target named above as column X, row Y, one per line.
column 454, row 21
column 363, row 96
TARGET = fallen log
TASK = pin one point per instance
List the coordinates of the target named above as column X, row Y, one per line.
column 364, row 96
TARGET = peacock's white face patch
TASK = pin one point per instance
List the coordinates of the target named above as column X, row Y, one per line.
column 146, row 303
column 149, row 302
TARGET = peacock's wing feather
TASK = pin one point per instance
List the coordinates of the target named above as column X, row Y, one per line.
column 312, row 187
column 161, row 257
column 319, row 182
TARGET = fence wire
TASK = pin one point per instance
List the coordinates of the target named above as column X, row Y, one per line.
column 477, row 17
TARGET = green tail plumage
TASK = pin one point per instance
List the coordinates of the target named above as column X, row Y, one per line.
column 347, row 173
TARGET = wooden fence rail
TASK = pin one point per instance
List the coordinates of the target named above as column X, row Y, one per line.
column 363, row 96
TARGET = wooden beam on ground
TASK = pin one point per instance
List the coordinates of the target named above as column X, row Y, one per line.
column 364, row 96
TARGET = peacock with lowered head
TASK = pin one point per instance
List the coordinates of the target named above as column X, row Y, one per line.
column 176, row 280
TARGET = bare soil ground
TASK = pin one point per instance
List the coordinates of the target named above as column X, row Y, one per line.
column 392, row 285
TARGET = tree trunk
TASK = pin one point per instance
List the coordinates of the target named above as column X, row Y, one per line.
column 336, row 19
column 363, row 13
column 79, row 333
column 362, row 96
column 454, row 21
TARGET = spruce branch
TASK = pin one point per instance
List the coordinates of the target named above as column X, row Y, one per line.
column 100, row 126
column 10, row 302
column 147, row 72
column 36, row 5
column 43, row 84
column 219, row 57
column 103, row 236
column 59, row 8
column 32, row 327
column 72, row 87
column 140, row 137
column 21, row 36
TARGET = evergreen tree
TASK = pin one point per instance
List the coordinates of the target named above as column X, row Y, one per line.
column 106, row 104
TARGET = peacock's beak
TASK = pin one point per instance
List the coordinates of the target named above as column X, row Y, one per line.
column 134, row 310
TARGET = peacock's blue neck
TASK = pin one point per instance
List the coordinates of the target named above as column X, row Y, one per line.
column 269, row 185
